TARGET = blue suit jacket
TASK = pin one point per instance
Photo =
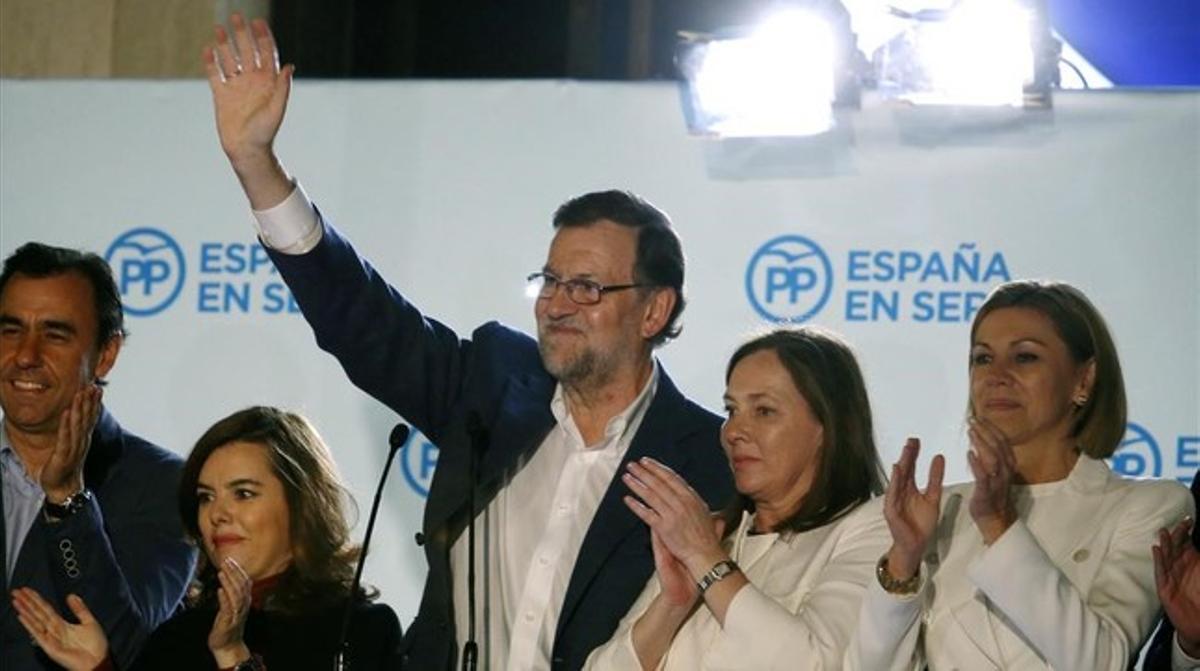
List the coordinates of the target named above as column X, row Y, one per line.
column 434, row 379
column 131, row 559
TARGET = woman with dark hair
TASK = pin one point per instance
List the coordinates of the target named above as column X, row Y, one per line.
column 261, row 496
column 1044, row 560
column 774, row 582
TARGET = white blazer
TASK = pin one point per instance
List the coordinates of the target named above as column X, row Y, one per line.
column 797, row 612
column 1069, row 586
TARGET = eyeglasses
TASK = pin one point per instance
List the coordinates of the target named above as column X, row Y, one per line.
column 580, row 291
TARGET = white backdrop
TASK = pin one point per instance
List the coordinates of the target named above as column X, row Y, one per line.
column 449, row 188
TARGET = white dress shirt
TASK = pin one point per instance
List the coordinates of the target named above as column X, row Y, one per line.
column 23, row 497
column 529, row 535
column 532, row 531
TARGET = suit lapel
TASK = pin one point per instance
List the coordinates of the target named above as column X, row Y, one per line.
column 522, row 422
column 523, row 419
column 656, row 438
column 107, row 445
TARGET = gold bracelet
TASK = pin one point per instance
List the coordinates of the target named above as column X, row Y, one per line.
column 891, row 585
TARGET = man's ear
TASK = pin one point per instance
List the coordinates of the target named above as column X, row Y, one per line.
column 107, row 356
column 658, row 311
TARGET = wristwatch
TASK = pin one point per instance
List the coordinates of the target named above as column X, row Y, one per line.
column 891, row 584
column 252, row 664
column 57, row 512
column 716, row 573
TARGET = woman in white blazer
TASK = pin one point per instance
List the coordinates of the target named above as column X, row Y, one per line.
column 781, row 588
column 1043, row 561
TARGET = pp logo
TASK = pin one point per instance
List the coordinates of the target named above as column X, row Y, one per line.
column 149, row 270
column 418, row 458
column 1138, row 453
column 789, row 279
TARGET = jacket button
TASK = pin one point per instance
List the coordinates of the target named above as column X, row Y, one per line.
column 420, row 538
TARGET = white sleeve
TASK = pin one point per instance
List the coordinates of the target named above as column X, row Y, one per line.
column 889, row 628
column 1072, row 630
column 290, row 227
column 761, row 633
column 618, row 654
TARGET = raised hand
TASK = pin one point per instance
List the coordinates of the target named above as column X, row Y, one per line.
column 994, row 466
column 225, row 640
column 911, row 514
column 62, row 474
column 1177, row 577
column 77, row 647
column 250, row 93
column 676, row 513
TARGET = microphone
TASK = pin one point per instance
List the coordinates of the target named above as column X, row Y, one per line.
column 479, row 440
column 396, row 440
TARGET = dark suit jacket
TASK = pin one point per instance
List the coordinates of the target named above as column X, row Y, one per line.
column 434, row 379
column 1159, row 655
column 131, row 562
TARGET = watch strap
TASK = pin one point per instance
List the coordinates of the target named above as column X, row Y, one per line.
column 717, row 573
column 57, row 512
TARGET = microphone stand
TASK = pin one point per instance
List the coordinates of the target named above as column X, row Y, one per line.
column 479, row 441
column 396, row 440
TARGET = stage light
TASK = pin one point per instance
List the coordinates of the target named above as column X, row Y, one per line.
column 779, row 79
column 976, row 52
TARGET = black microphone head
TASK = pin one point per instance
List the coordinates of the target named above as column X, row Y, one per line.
column 399, row 435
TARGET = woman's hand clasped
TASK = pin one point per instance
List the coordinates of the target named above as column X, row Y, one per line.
column 680, row 524
column 994, row 465
column 225, row 640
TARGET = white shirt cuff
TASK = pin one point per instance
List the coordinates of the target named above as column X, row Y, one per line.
column 290, row 227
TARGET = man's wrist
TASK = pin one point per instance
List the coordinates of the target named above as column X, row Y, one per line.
column 230, row 657
column 263, row 178
column 60, row 493
column 66, row 507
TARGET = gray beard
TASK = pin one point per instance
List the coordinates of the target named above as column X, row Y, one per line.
column 572, row 371
column 587, row 370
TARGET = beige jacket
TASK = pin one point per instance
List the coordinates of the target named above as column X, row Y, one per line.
column 1070, row 586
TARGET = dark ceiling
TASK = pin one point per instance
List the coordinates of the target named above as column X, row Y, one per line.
column 1134, row 42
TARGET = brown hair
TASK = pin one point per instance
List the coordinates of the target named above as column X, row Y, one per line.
column 1099, row 424
column 659, row 261
column 826, row 373
column 323, row 558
